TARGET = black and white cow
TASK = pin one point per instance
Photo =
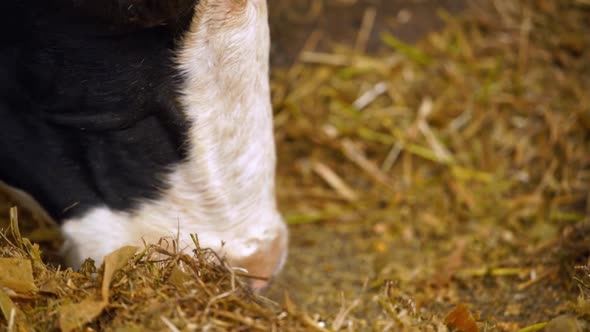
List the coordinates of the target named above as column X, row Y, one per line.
column 131, row 120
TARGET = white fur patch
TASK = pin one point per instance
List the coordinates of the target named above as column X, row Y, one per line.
column 225, row 191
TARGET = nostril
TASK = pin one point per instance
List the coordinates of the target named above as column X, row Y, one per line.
column 265, row 263
column 259, row 285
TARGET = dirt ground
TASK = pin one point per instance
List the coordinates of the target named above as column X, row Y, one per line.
column 337, row 260
column 327, row 259
column 338, row 21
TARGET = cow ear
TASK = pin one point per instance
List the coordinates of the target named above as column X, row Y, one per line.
column 136, row 13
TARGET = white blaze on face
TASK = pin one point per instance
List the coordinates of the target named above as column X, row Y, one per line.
column 225, row 191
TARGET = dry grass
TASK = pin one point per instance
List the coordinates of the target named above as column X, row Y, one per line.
column 157, row 289
column 463, row 166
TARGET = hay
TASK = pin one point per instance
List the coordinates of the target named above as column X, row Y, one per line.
column 156, row 289
column 462, row 167
column 444, row 182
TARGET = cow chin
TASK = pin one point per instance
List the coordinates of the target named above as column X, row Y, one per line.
column 260, row 248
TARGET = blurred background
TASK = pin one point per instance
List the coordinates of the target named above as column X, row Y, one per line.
column 338, row 22
column 433, row 153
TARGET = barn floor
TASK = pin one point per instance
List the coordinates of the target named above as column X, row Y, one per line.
column 432, row 155
column 457, row 181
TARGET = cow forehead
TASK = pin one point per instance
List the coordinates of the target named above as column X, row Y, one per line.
column 111, row 102
column 146, row 133
column 223, row 190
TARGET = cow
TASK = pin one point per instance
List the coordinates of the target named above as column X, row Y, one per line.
column 130, row 121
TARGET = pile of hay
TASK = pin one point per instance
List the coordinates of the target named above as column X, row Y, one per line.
column 461, row 166
column 157, row 289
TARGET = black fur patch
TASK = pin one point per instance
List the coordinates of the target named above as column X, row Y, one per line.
column 88, row 106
